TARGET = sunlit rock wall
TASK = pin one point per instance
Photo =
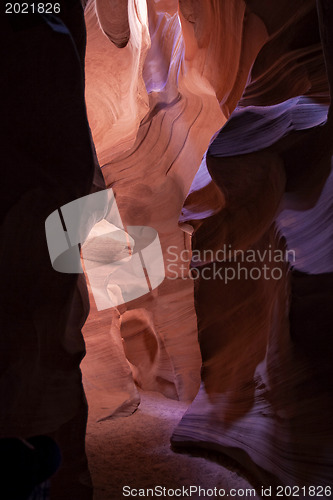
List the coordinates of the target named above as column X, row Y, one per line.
column 162, row 78
column 155, row 97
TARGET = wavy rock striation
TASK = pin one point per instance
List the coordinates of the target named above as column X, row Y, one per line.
column 162, row 78
column 266, row 393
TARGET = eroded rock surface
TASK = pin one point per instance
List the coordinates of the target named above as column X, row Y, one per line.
column 161, row 87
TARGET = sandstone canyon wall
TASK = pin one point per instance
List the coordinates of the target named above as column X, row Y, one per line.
column 163, row 83
column 211, row 122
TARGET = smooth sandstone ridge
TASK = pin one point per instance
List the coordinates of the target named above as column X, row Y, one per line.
column 212, row 124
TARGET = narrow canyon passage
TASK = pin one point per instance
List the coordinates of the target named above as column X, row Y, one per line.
column 166, row 249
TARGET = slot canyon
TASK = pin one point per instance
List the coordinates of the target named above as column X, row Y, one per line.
column 166, row 249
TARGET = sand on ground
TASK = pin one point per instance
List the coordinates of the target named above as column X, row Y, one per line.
column 135, row 451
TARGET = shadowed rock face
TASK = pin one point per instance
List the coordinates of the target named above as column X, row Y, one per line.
column 47, row 161
column 266, row 393
column 261, row 188
column 113, row 18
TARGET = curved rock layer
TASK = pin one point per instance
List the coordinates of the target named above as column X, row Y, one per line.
column 152, row 108
column 161, row 83
column 266, row 393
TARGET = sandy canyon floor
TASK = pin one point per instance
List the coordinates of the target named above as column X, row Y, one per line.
column 135, row 452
